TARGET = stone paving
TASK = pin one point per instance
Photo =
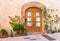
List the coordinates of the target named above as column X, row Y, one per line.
column 34, row 37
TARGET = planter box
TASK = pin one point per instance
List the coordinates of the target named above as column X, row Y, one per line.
column 4, row 36
column 17, row 35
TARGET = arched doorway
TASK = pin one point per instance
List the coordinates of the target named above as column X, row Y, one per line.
column 33, row 19
column 33, row 6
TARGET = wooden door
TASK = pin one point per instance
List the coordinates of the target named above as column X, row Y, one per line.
column 33, row 21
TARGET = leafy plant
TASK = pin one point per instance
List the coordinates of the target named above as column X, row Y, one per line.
column 55, row 28
column 46, row 26
column 49, row 16
column 16, row 25
column 45, row 13
column 4, row 32
column 19, row 28
column 22, row 28
column 46, row 18
column 14, row 20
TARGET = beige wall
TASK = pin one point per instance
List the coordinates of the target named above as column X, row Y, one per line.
column 13, row 7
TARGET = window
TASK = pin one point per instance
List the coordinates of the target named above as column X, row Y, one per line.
column 29, row 14
column 37, row 23
column 37, row 19
column 29, row 19
column 29, row 24
column 37, row 14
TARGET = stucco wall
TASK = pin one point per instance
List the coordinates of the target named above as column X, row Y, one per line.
column 13, row 7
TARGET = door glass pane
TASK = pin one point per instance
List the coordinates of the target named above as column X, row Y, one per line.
column 37, row 14
column 37, row 23
column 29, row 24
column 29, row 19
column 29, row 14
column 37, row 19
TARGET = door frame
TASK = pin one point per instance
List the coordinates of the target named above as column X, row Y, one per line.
column 35, row 17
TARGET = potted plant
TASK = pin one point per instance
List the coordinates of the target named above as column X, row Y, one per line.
column 4, row 33
column 19, row 29
column 58, row 30
column 46, row 19
column 50, row 31
column 0, row 35
column 46, row 28
column 16, row 25
column 55, row 29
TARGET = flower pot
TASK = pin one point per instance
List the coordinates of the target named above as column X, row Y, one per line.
column 45, row 31
column 55, row 31
column 17, row 35
column 4, row 36
column 58, row 30
column 0, row 35
column 50, row 32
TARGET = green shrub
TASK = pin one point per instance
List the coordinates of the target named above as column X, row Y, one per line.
column 19, row 28
column 4, row 32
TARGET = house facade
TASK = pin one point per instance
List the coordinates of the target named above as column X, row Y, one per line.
column 30, row 12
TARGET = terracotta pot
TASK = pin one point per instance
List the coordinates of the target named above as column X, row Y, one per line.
column 45, row 31
column 55, row 31
column 0, row 35
column 4, row 36
column 58, row 30
column 17, row 35
column 50, row 32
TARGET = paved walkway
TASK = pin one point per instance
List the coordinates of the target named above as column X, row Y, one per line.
column 34, row 37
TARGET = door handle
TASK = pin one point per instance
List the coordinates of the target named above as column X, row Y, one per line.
column 25, row 20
